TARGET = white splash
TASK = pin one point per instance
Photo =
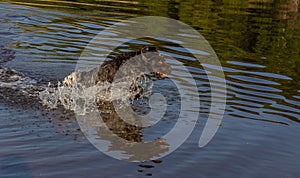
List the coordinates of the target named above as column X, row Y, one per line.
column 82, row 99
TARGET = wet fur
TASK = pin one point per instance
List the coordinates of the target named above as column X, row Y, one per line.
column 145, row 60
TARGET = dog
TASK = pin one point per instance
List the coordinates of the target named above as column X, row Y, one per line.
column 131, row 64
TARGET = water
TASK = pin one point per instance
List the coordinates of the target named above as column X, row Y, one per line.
column 258, row 47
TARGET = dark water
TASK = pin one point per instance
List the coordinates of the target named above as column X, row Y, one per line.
column 257, row 42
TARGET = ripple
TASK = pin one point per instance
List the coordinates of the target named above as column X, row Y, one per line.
column 187, row 50
column 291, row 110
column 253, row 79
column 245, row 103
column 245, row 64
column 254, row 87
column 264, row 74
column 298, row 97
column 255, row 99
column 293, row 102
column 272, row 75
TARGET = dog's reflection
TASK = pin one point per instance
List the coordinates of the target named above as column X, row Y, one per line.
column 126, row 138
column 110, row 134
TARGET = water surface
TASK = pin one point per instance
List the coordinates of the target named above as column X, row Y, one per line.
column 258, row 44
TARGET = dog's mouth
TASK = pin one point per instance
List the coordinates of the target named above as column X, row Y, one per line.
column 160, row 75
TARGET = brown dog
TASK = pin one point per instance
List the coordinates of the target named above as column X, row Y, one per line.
column 145, row 60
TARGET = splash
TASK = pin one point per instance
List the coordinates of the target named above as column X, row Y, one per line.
column 73, row 96
column 11, row 78
column 82, row 99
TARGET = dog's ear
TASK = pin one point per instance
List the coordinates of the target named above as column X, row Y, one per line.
column 147, row 49
column 144, row 50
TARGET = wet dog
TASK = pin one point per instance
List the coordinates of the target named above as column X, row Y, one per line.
column 133, row 64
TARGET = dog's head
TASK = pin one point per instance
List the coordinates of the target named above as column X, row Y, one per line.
column 154, row 62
